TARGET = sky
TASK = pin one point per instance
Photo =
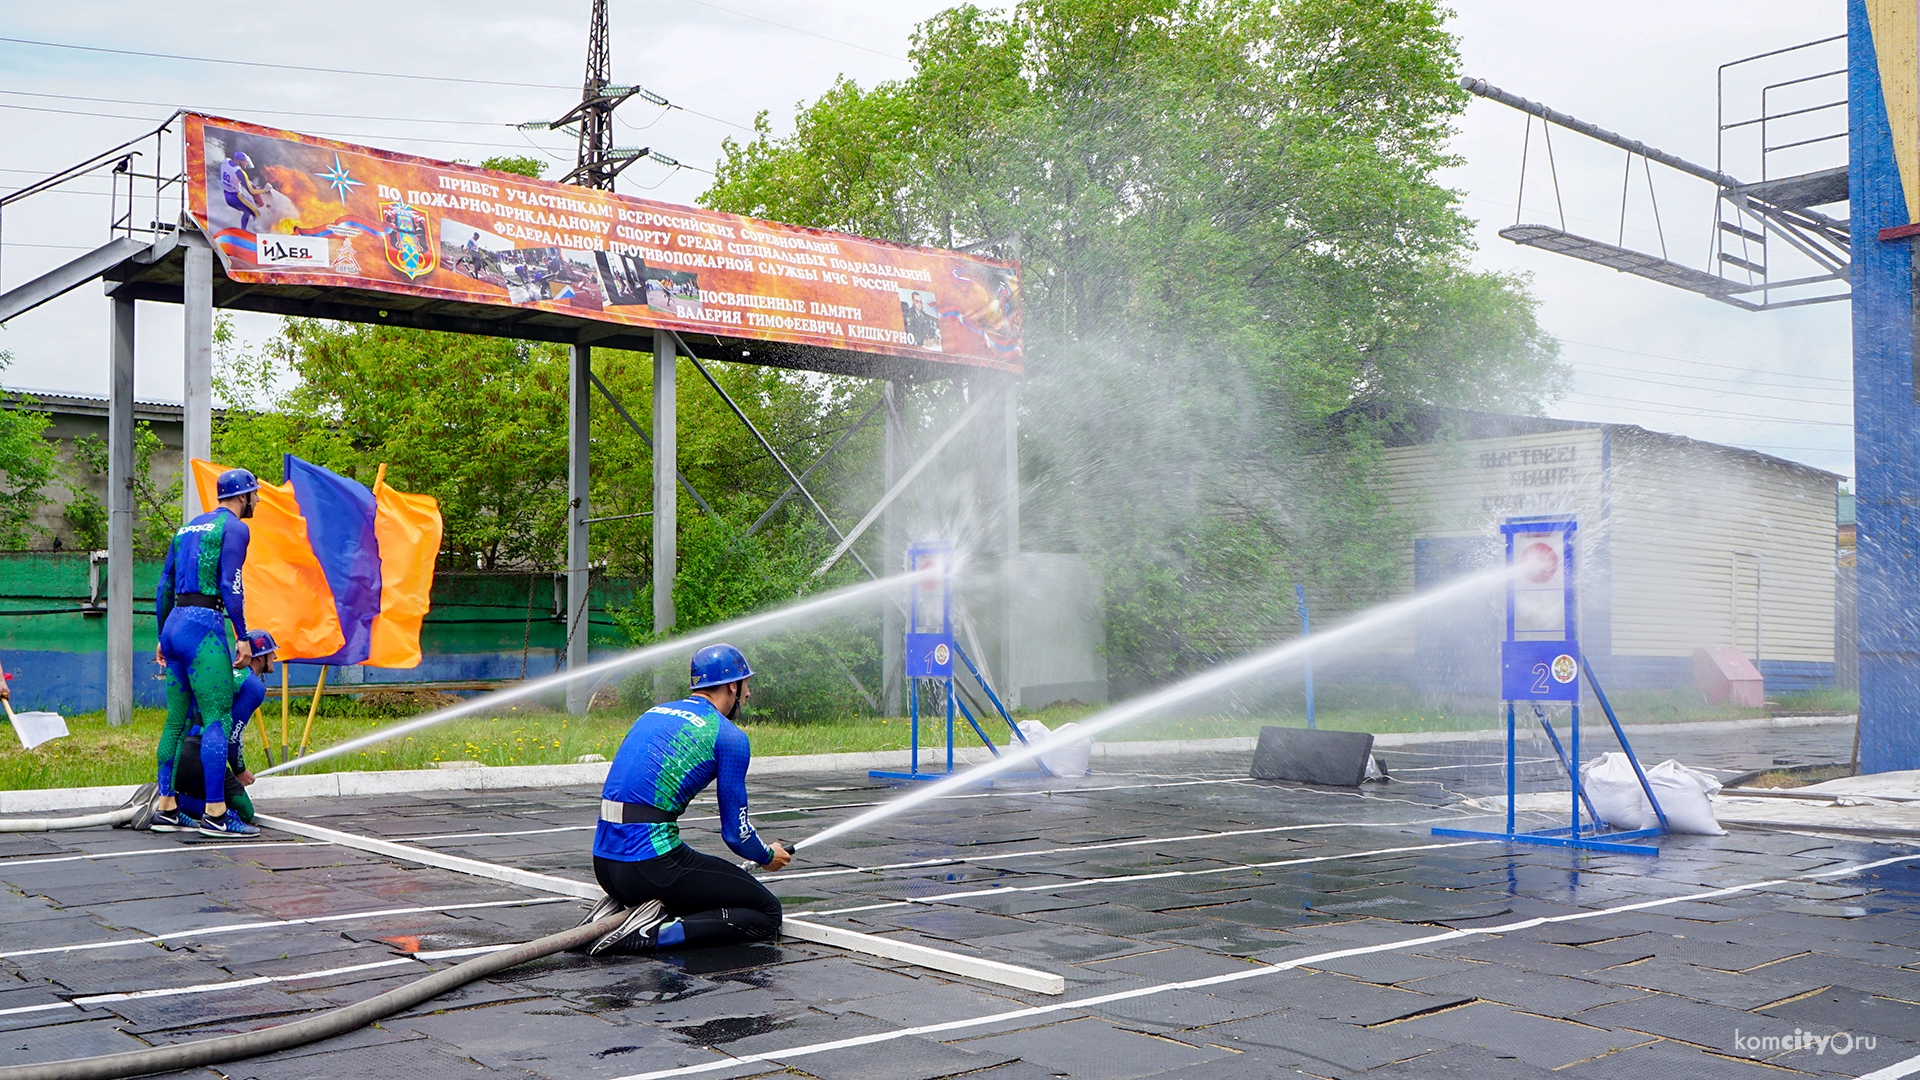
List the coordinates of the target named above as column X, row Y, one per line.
column 1641, row 353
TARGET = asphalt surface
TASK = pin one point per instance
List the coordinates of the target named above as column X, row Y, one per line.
column 1208, row 926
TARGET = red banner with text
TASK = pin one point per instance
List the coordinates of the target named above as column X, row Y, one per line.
column 283, row 208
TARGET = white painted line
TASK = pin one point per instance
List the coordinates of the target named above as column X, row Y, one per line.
column 174, row 849
column 585, row 890
column 1105, row 844
column 1896, row 1071
column 277, row 924
column 935, row 959
column 786, row 1055
column 973, row 967
column 207, row 988
column 1061, row 886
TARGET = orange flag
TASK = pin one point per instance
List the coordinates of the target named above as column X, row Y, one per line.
column 287, row 592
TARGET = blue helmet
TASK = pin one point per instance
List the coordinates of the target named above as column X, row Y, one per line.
column 241, row 159
column 235, row 482
column 718, row 665
column 262, row 643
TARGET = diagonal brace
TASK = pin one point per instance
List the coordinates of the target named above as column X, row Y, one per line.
column 647, row 437
column 822, row 460
column 768, row 447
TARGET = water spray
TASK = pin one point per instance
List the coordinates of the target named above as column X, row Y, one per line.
column 1198, row 686
column 825, row 602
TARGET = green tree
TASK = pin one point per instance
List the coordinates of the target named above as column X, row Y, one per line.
column 156, row 506
column 26, row 468
column 1231, row 237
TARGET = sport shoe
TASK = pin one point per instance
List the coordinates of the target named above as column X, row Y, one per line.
column 635, row 934
column 228, row 828
column 607, row 907
column 171, row 821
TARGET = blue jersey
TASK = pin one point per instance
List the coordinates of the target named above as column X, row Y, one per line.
column 673, row 752
column 205, row 557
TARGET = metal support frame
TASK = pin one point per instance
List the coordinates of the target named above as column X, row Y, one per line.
column 647, row 437
column 893, row 549
column 666, row 422
column 1597, row 836
column 579, row 575
column 196, row 414
column 120, row 461
column 1010, row 539
column 925, row 634
column 796, row 481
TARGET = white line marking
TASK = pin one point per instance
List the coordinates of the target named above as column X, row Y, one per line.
column 921, row 955
column 1060, row 886
column 207, row 988
column 278, row 924
column 179, row 849
column 1896, row 1071
column 783, row 1056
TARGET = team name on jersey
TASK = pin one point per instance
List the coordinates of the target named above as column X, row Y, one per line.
column 694, row 718
column 208, row 526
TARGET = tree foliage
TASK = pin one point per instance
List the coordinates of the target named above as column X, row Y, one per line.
column 26, row 468
column 1230, row 232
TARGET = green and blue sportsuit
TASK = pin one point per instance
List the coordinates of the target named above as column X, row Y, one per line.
column 673, row 752
column 199, row 590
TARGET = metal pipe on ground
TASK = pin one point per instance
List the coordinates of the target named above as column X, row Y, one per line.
column 312, row 1029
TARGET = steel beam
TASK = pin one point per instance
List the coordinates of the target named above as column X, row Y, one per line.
column 120, row 461
column 197, row 410
column 893, row 491
column 893, row 627
column 817, row 462
column 1010, row 541
column 665, row 461
column 579, row 579
column 647, row 437
column 64, row 279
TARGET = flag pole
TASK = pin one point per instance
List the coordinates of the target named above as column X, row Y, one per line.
column 285, row 707
column 319, row 684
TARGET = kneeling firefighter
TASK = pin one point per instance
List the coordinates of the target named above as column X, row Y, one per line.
column 249, row 690
column 675, row 895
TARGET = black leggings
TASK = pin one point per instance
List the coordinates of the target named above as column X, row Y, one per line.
column 716, row 901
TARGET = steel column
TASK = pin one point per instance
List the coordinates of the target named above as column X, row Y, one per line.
column 665, row 462
column 120, row 514
column 579, row 578
column 893, row 456
column 197, row 412
column 1010, row 677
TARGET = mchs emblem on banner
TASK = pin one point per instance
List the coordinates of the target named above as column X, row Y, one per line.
column 409, row 248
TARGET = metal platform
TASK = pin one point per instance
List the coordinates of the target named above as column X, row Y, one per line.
column 1625, row 260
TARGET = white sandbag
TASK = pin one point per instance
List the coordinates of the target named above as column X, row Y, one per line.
column 1683, row 797
column 1068, row 758
column 1617, row 798
column 1615, row 792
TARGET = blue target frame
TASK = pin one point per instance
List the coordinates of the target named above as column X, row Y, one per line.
column 1541, row 662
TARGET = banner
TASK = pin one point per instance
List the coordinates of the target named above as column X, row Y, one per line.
column 288, row 209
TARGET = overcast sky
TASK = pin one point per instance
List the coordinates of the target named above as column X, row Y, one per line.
column 1644, row 354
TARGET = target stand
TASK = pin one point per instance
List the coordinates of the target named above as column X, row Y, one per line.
column 930, row 654
column 1541, row 662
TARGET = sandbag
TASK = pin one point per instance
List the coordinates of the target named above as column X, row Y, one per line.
column 1617, row 797
column 1067, row 758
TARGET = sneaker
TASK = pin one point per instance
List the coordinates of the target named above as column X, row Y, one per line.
column 606, row 908
column 635, row 934
column 228, row 828
column 171, row 821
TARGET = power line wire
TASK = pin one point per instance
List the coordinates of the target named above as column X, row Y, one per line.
column 277, row 66
column 1848, row 404
column 1685, row 360
column 797, row 30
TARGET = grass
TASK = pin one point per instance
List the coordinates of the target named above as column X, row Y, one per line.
column 97, row 754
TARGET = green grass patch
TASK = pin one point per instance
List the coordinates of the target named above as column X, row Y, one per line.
column 97, row 754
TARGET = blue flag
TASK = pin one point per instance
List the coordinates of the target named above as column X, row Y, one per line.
column 340, row 517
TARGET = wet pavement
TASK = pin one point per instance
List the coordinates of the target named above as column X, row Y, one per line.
column 1207, row 925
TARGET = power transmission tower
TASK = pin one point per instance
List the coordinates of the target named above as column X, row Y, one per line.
column 599, row 160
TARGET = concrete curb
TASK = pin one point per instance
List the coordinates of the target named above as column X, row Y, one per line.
column 407, row 781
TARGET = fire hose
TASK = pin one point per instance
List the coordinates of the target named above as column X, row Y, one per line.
column 270, row 1040
column 128, row 814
